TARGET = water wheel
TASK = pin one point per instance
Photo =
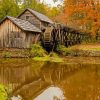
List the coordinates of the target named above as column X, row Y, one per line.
column 47, row 38
column 50, row 38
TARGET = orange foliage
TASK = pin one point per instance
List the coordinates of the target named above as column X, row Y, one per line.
column 84, row 13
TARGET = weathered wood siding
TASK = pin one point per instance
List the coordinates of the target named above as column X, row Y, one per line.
column 31, row 38
column 33, row 19
column 12, row 36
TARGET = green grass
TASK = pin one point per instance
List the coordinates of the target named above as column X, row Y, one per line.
column 85, row 47
column 52, row 57
column 48, row 58
column 61, row 49
column 94, row 49
column 97, row 49
column 91, row 49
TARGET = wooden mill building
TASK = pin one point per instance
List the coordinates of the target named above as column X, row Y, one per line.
column 17, row 33
column 36, row 18
column 23, row 31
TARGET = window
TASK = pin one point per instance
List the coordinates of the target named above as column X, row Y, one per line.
column 27, row 17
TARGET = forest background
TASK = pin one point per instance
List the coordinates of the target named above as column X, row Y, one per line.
column 79, row 14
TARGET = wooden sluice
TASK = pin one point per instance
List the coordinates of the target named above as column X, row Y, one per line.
column 63, row 35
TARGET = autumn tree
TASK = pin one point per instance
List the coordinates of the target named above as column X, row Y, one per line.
column 85, row 14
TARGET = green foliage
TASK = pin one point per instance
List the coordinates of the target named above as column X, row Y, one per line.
column 8, row 7
column 3, row 94
column 63, row 50
column 14, row 7
column 53, row 12
column 53, row 54
column 6, row 54
column 37, row 51
column 48, row 59
column 33, row 4
column 52, row 57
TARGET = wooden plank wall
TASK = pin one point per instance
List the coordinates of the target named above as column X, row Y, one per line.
column 12, row 36
column 34, row 20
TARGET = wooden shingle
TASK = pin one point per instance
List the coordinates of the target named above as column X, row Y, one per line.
column 40, row 16
column 23, row 24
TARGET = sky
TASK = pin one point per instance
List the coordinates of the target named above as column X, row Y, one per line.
column 51, row 3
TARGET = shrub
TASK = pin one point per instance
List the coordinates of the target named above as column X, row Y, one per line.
column 37, row 51
column 53, row 54
column 3, row 94
column 63, row 50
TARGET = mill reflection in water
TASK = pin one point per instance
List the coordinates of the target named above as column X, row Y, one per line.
column 78, row 78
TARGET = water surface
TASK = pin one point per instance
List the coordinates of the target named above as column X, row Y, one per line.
column 77, row 78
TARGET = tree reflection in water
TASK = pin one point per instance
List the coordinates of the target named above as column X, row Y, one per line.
column 78, row 78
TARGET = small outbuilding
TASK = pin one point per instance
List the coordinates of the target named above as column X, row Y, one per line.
column 17, row 33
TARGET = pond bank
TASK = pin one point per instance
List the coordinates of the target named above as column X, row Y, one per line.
column 26, row 53
column 84, row 53
column 85, row 50
column 82, row 50
column 15, row 53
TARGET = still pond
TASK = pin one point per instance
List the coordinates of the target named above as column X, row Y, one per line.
column 74, row 79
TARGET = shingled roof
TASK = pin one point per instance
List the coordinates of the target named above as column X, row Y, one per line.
column 38, row 15
column 24, row 25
